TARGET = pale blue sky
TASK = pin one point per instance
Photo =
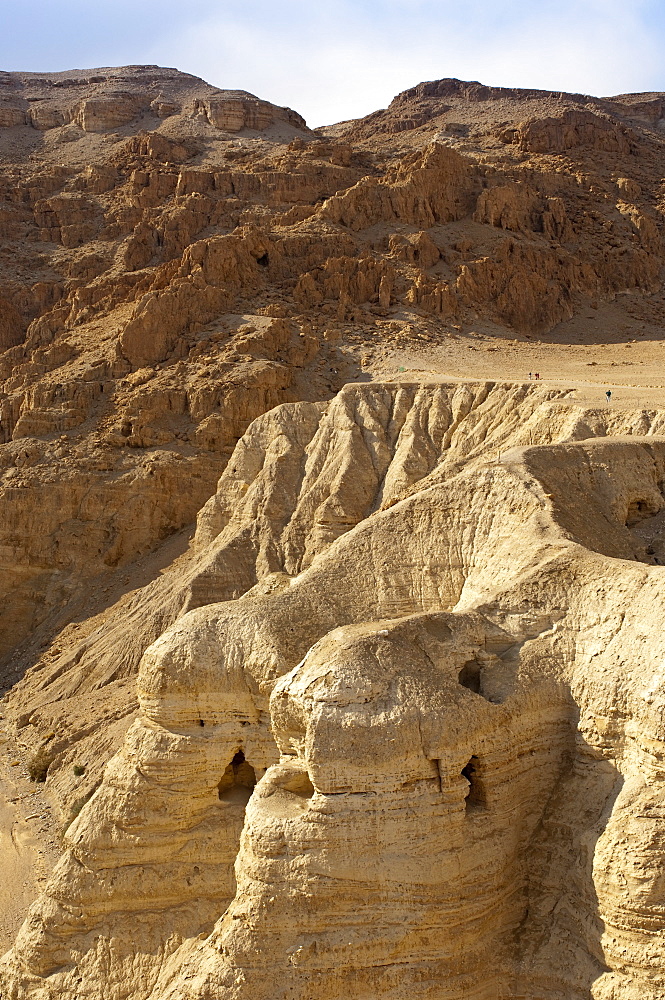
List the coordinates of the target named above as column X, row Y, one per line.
column 344, row 58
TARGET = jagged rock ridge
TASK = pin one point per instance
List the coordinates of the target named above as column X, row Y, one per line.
column 128, row 257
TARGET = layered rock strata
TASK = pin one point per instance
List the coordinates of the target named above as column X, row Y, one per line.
column 301, row 476
column 177, row 259
column 398, row 729
column 451, row 711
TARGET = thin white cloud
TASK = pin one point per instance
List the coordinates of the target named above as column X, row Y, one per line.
column 338, row 60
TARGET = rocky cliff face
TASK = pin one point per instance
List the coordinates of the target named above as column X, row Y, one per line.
column 418, row 619
column 442, row 680
column 177, row 259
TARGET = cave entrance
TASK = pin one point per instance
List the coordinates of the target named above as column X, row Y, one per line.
column 238, row 781
column 475, row 799
column 638, row 511
column 469, row 676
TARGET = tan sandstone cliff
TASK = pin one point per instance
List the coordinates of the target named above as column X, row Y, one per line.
column 399, row 718
column 152, row 226
column 451, row 703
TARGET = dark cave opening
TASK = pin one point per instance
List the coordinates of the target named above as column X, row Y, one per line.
column 638, row 511
column 469, row 676
column 475, row 798
column 237, row 782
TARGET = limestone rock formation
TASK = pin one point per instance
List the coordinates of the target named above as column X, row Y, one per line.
column 398, row 726
column 139, row 210
column 450, row 718
column 106, row 99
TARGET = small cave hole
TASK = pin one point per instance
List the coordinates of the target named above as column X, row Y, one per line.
column 238, row 780
column 263, row 260
column 637, row 511
column 201, row 723
column 469, row 676
column 475, row 798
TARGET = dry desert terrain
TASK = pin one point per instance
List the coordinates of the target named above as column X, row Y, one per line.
column 331, row 636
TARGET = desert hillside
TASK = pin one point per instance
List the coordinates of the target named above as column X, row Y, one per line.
column 330, row 634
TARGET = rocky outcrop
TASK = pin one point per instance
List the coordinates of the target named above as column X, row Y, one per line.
column 568, row 130
column 11, row 115
column 525, row 288
column 142, row 257
column 441, row 101
column 202, row 289
column 234, row 111
column 385, row 613
column 102, row 114
column 431, row 691
column 113, row 502
column 301, row 476
column 425, row 189
column 105, row 100
column 474, row 92
column 519, row 208
column 11, row 327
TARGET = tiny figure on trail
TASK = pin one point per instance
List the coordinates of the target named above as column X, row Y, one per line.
column 537, row 375
column 530, row 374
column 608, row 395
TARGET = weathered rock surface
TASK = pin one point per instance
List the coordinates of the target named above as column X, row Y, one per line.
column 106, row 99
column 142, row 211
column 398, row 730
column 451, row 703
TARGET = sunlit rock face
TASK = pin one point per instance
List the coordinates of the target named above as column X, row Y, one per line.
column 364, row 678
column 420, row 755
column 178, row 259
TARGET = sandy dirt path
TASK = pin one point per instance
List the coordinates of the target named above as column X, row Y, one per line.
column 634, row 371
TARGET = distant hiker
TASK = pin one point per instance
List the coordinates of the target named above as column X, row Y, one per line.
column 608, row 395
column 530, row 374
column 537, row 375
